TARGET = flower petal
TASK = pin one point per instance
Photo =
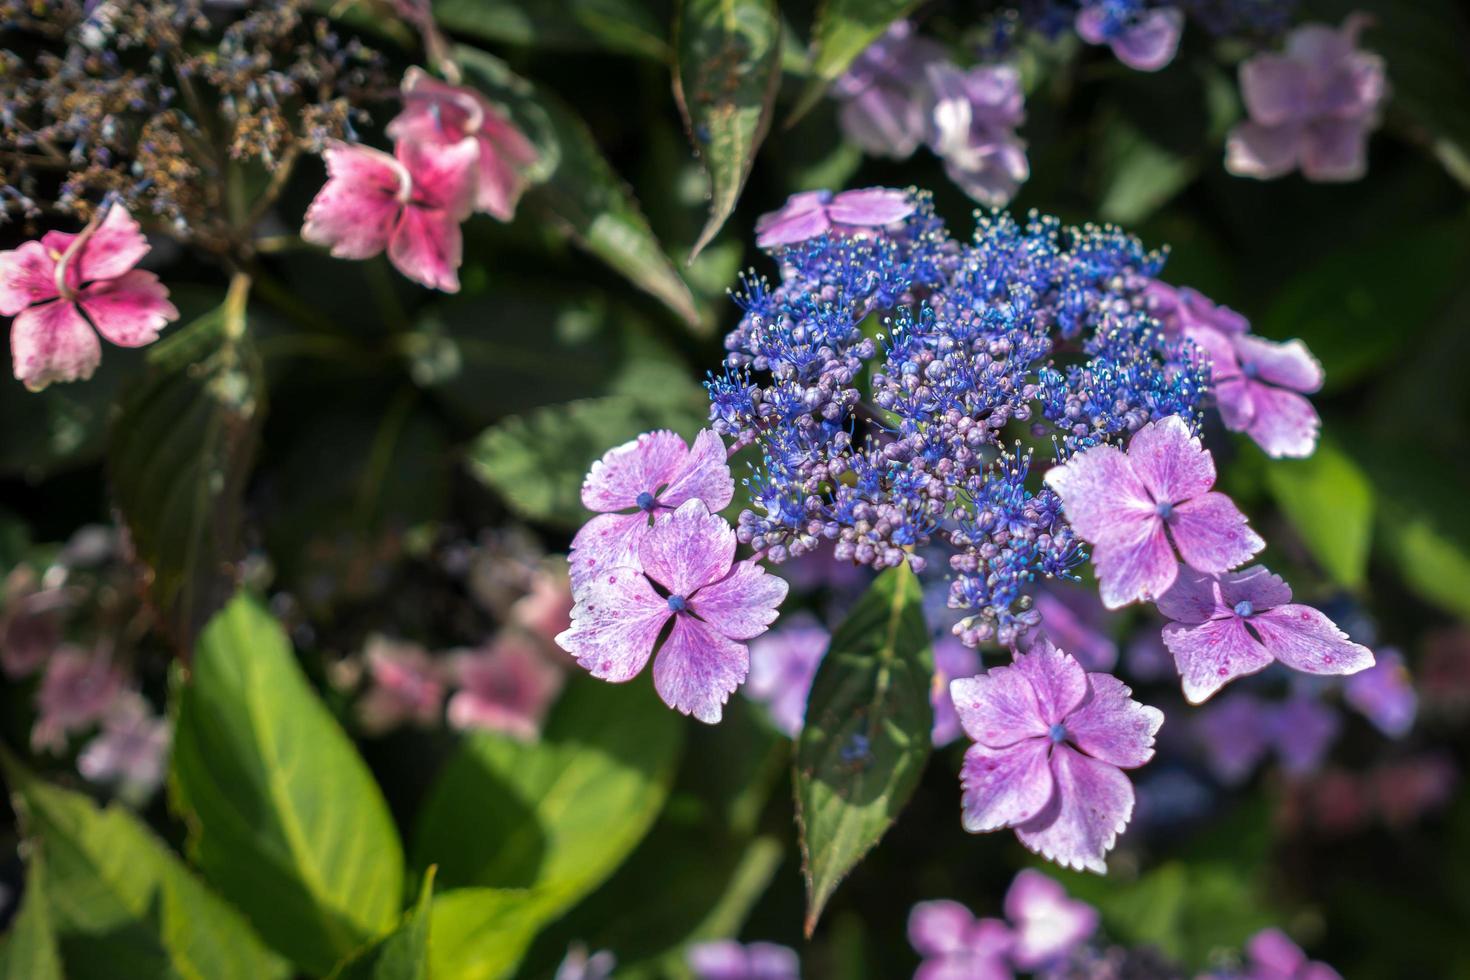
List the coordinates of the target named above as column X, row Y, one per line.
column 803, row 216
column 1263, row 152
column 1048, row 924
column 998, row 708
column 1283, row 423
column 615, row 624
column 1111, row 726
column 606, row 540
column 1004, row 787
column 357, row 209
column 641, row 465
column 1101, row 494
column 1274, row 89
column 129, row 310
column 1289, row 365
column 1256, row 585
column 1056, row 677
column 871, row 206
column 697, row 669
column 27, row 277
column 1304, row 639
column 443, row 175
column 1090, row 807
column 1170, row 462
column 1150, row 44
column 1193, row 598
column 939, row 927
column 1212, row 654
column 743, row 603
column 1135, row 570
column 1211, row 533
column 702, row 475
column 52, row 342
column 687, row 549
column 115, row 247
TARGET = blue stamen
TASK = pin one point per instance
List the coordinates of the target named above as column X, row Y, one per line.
column 645, row 501
column 1057, row 732
column 1165, row 509
column 1244, row 609
column 678, row 603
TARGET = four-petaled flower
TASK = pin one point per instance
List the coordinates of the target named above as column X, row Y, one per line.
column 975, row 116
column 1047, row 924
column 1051, row 744
column 812, row 213
column 1131, row 506
column 406, row 685
column 726, row 959
column 636, row 482
column 1144, row 40
column 65, row 289
column 686, row 572
column 507, row 688
column 1229, row 625
column 410, row 203
column 956, row 945
column 131, row 751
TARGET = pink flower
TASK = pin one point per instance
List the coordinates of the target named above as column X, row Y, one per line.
column 1227, row 626
column 406, row 686
column 76, row 691
column 884, row 101
column 634, row 483
column 1051, row 744
column 952, row 659
column 1135, row 508
column 1147, row 42
column 546, row 609
column 725, row 959
column 132, row 749
column 441, row 114
column 812, row 213
column 1273, row 956
column 30, row 624
column 783, row 664
column 410, row 204
column 507, row 688
column 1075, row 620
column 974, row 118
column 1312, row 106
column 957, row 946
column 1384, row 694
column 65, row 289
column 1046, row 924
column 714, row 602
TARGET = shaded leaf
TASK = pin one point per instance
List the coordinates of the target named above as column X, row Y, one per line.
column 404, row 953
column 284, row 817
column 181, row 448
column 122, row 905
column 624, row 26
column 866, row 738
column 729, row 69
column 1139, row 176
column 556, row 816
column 28, row 951
column 1329, row 501
column 577, row 187
column 842, row 30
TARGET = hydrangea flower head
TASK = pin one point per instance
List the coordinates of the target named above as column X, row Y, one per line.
column 812, row 213
column 783, row 665
column 1271, row 955
column 76, row 691
column 441, row 114
column 131, row 751
column 1046, row 923
column 955, row 944
column 884, row 99
column 1225, row 626
column 1311, row 106
column 405, row 686
column 1051, row 744
column 1384, row 694
column 726, row 959
column 686, row 573
column 410, row 203
column 66, row 289
column 975, row 116
column 506, row 688
column 1137, row 507
column 637, row 482
column 1143, row 38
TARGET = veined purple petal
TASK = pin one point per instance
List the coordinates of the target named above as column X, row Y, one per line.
column 1137, row 569
column 688, row 549
column 615, row 623
column 642, row 465
column 1101, row 494
column 939, row 927
column 1109, row 725
column 1057, row 678
column 871, row 206
column 704, row 475
column 1304, row 639
column 1211, row 533
column 1089, row 808
column 697, row 669
column 1004, row 787
column 743, row 603
column 998, row 708
column 1212, row 654
column 1170, row 462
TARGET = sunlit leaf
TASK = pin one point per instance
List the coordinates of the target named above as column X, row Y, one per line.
column 404, row 953
column 1329, row 501
column 28, row 951
column 842, row 30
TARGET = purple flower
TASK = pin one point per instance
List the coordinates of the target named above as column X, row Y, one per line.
column 884, row 101
column 726, row 959
column 1227, row 626
column 580, row 965
column 1075, row 621
column 30, row 624
column 783, row 664
column 1051, row 743
column 131, row 750
column 637, row 481
column 1302, row 729
column 952, row 660
column 76, row 691
column 686, row 573
column 812, row 213
column 1310, row 107
column 507, row 688
column 1136, row 507
column 1384, row 694
column 957, row 946
column 975, row 115
column 1240, row 729
column 1145, row 40
column 1046, row 923
column 405, row 686
column 1273, row 956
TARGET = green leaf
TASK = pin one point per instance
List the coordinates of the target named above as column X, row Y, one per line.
column 842, row 30
column 284, row 817
column 123, row 906
column 1433, row 564
column 537, row 461
column 576, row 186
column 481, row 933
column 557, row 816
column 29, row 949
column 729, row 70
column 624, row 26
column 866, row 737
column 404, row 953
column 1329, row 501
column 1139, row 176
column 181, row 448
